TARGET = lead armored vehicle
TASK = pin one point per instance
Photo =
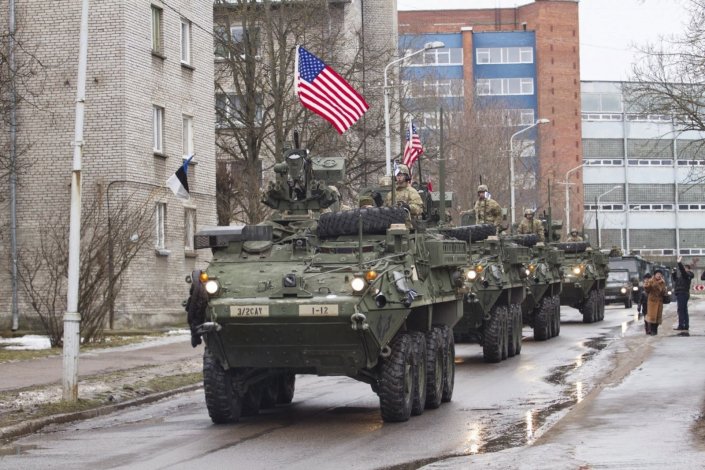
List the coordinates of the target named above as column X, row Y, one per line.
column 353, row 293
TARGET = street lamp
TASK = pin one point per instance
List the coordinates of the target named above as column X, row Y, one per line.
column 597, row 215
column 387, row 134
column 567, row 197
column 511, row 163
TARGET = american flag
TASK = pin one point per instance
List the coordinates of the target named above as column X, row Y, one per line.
column 326, row 93
column 413, row 148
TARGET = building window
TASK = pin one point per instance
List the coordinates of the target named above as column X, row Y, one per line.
column 434, row 57
column 160, row 227
column 505, row 86
column 601, row 103
column 235, row 45
column 504, row 55
column 157, row 38
column 231, row 110
column 158, row 129
column 187, row 136
column 442, row 87
column 185, row 41
column 518, row 117
column 189, row 229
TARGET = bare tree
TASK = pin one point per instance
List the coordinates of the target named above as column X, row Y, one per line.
column 123, row 232
column 670, row 79
column 256, row 107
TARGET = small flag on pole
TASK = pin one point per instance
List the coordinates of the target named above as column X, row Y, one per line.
column 413, row 148
column 326, row 93
column 178, row 182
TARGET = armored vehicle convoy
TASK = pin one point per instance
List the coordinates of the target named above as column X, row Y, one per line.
column 584, row 277
column 618, row 288
column 353, row 293
column 495, row 289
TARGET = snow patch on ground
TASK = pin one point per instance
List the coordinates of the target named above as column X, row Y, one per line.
column 27, row 342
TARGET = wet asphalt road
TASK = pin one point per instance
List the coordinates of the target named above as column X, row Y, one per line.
column 335, row 423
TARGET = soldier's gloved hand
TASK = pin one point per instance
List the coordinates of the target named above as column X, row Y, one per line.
column 377, row 198
column 404, row 205
column 195, row 339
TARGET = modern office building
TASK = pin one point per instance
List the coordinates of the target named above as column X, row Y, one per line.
column 523, row 59
column 149, row 103
column 643, row 178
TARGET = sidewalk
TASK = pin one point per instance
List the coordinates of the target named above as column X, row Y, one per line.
column 648, row 414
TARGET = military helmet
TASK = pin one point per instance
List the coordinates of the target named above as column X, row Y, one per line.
column 574, row 231
column 366, row 200
column 403, row 170
column 528, row 212
column 482, row 188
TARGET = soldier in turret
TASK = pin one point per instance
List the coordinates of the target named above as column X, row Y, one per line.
column 529, row 225
column 487, row 211
column 574, row 237
column 406, row 196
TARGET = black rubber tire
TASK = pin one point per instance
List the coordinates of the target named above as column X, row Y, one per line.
column 542, row 314
column 434, row 368
column 224, row 406
column 528, row 240
column 628, row 302
column 396, row 381
column 514, row 326
column 601, row 303
column 419, row 395
column 520, row 327
column 572, row 247
column 494, row 339
column 589, row 308
column 471, row 233
column 556, row 300
column 448, row 362
column 287, row 386
column 270, row 393
column 375, row 221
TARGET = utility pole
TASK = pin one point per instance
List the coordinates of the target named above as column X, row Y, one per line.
column 72, row 318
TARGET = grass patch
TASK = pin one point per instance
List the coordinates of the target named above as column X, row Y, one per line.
column 7, row 355
column 171, row 382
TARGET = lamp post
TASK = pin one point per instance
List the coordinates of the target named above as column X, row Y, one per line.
column 597, row 215
column 387, row 134
column 511, row 163
column 567, row 197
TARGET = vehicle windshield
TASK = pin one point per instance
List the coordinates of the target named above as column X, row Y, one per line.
column 618, row 276
column 629, row 264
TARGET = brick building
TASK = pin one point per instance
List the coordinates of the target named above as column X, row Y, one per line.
column 525, row 59
column 149, row 102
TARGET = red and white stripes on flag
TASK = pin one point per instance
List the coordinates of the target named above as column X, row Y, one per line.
column 413, row 148
column 326, row 93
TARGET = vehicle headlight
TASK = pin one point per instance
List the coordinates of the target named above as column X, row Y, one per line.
column 635, row 288
column 576, row 270
column 623, row 290
column 471, row 275
column 212, row 286
column 527, row 272
column 358, row 284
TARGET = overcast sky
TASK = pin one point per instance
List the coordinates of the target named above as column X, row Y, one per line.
column 609, row 29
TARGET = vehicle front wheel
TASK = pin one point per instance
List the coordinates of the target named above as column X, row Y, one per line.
column 396, row 381
column 224, row 405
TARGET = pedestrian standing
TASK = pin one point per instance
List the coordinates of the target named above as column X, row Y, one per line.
column 656, row 289
column 642, row 305
column 684, row 276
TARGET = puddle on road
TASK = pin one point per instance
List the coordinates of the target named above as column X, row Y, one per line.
column 17, row 450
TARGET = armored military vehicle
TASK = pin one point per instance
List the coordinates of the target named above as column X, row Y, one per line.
column 353, row 293
column 541, row 309
column 618, row 288
column 495, row 289
column 584, row 277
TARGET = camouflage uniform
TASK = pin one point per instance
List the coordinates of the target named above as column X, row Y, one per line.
column 531, row 226
column 574, row 238
column 488, row 211
column 408, row 195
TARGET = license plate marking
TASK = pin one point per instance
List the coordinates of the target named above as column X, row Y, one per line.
column 318, row 310
column 249, row 310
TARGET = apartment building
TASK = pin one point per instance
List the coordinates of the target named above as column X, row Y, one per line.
column 149, row 104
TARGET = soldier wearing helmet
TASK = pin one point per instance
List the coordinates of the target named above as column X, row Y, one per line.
column 487, row 211
column 529, row 225
column 574, row 237
column 406, row 195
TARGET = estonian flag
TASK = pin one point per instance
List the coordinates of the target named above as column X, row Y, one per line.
column 178, row 182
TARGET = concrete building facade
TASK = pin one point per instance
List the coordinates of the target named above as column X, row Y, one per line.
column 524, row 59
column 643, row 178
column 149, row 102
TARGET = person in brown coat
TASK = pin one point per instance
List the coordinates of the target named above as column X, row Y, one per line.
column 656, row 289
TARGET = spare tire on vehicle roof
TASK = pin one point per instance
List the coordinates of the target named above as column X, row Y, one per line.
column 528, row 239
column 573, row 247
column 375, row 221
column 471, row 233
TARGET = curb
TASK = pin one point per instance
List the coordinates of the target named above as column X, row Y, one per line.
column 28, row 427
